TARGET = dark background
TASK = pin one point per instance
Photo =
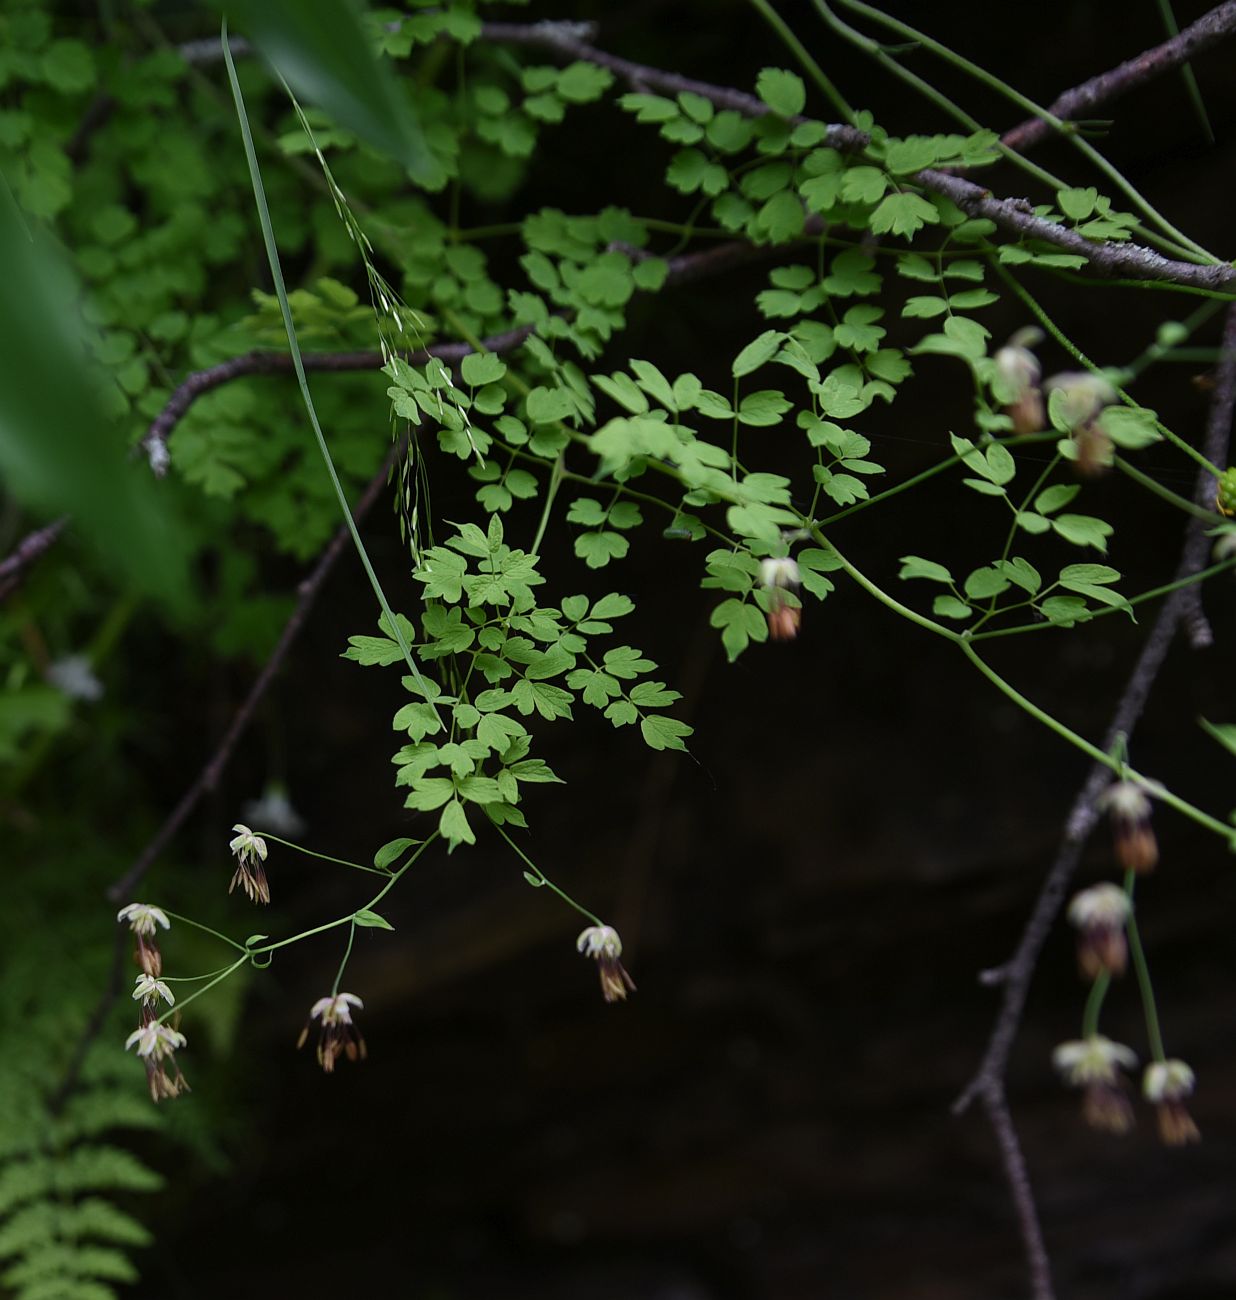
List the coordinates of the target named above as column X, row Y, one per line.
column 806, row 901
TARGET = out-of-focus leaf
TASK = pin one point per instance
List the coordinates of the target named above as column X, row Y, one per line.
column 58, row 451
column 321, row 49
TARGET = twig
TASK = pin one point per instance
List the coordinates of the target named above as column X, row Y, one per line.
column 565, row 39
column 988, row 1083
column 14, row 565
column 1122, row 259
column 1209, row 30
column 265, row 362
column 1016, row 215
column 208, row 778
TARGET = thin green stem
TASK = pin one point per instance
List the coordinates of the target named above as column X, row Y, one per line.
column 1093, row 751
column 197, row 925
column 1224, row 566
column 555, row 481
column 276, row 271
column 545, row 880
column 324, row 857
column 882, row 596
column 192, row 979
column 1172, row 498
column 1074, row 351
column 351, row 916
column 803, row 55
column 1144, row 986
column 1094, row 1004
column 197, row 993
column 1185, row 245
column 343, row 965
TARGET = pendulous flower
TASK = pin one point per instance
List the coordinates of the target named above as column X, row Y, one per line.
column 250, row 851
column 1128, row 807
column 601, row 942
column 779, row 577
column 148, row 990
column 1094, row 1064
column 1083, row 397
column 156, row 1045
column 1100, row 914
column 144, row 921
column 337, row 1035
column 1165, row 1085
column 1017, row 381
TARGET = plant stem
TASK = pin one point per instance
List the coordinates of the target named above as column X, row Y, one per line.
column 545, row 880
column 347, row 952
column 1153, row 1034
column 276, row 272
column 197, row 925
column 324, row 857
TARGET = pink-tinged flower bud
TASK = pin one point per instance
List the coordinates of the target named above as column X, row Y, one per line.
column 1100, row 914
column 779, row 578
column 144, row 921
column 602, row 944
column 1094, row 1064
column 1166, row 1085
column 1128, row 809
column 337, row 1034
column 1083, row 397
column 1017, row 382
column 250, row 851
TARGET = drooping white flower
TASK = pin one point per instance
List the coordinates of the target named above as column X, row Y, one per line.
column 335, row 1009
column 250, row 851
column 74, row 676
column 779, row 571
column 1100, row 914
column 155, row 1040
column 247, row 845
column 337, row 1034
column 1166, row 1085
column 143, row 918
column 1094, row 1064
column 149, row 990
column 274, row 811
column 602, row 944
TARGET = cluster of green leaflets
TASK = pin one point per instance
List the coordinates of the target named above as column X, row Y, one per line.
column 503, row 658
column 866, row 270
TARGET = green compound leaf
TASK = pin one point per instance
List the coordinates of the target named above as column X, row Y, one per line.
column 1083, row 530
column 914, row 566
column 782, row 91
column 453, row 826
column 660, row 732
column 903, row 214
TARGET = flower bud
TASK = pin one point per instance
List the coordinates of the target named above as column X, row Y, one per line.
column 1165, row 1085
column 250, row 851
column 1083, row 395
column 779, row 577
column 1133, row 838
column 602, row 944
column 1100, row 914
column 1017, row 382
column 337, row 1034
column 1094, row 1064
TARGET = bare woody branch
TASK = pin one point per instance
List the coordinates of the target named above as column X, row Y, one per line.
column 1117, row 259
column 14, row 565
column 1014, row 215
column 1208, row 31
column 988, row 1086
